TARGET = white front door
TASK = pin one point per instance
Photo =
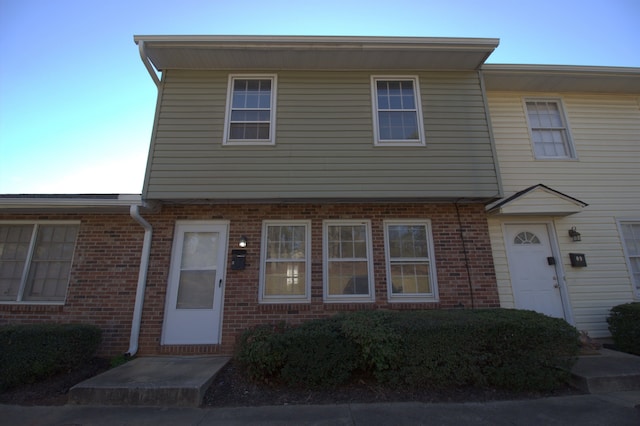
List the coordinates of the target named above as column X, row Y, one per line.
column 534, row 276
column 193, row 311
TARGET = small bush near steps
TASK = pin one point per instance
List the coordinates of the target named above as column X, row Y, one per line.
column 624, row 325
column 507, row 349
column 32, row 352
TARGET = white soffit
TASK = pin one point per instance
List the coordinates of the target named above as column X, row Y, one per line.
column 310, row 53
column 538, row 200
column 561, row 78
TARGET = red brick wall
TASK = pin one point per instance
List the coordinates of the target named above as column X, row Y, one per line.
column 241, row 309
column 105, row 268
column 103, row 279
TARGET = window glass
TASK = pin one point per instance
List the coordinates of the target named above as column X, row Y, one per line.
column 398, row 118
column 35, row 261
column 284, row 269
column 347, row 262
column 631, row 240
column 409, row 262
column 549, row 133
column 250, row 114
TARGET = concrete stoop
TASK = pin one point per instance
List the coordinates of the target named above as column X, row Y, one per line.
column 152, row 381
column 606, row 371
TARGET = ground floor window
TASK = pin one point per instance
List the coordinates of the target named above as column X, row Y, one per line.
column 285, row 272
column 409, row 261
column 35, row 261
column 348, row 269
column 631, row 239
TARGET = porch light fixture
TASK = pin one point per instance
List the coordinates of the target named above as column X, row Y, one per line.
column 243, row 242
column 575, row 235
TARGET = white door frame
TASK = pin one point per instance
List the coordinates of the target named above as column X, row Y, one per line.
column 555, row 252
column 179, row 225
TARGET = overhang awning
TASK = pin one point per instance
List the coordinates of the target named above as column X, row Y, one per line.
column 537, row 200
column 314, row 52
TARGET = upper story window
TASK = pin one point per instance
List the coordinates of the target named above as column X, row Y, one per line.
column 549, row 130
column 251, row 110
column 35, row 261
column 348, row 268
column 397, row 113
column 285, row 267
column 630, row 231
column 411, row 273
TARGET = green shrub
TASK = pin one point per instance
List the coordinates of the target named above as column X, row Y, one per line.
column 318, row 354
column 261, row 351
column 624, row 325
column 32, row 352
column 509, row 349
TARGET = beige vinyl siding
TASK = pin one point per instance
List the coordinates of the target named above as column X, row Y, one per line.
column 606, row 174
column 324, row 142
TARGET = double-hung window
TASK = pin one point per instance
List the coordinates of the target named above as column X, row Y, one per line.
column 397, row 113
column 348, row 269
column 35, row 261
column 286, row 251
column 548, row 129
column 411, row 274
column 630, row 231
column 251, row 110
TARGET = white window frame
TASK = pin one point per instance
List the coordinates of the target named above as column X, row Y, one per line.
column 264, row 298
column 29, row 259
column 430, row 259
column 635, row 284
column 347, row 298
column 418, row 110
column 571, row 155
column 272, row 108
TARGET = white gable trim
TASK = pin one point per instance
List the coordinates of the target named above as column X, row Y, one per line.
column 537, row 200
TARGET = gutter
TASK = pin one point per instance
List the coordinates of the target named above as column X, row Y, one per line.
column 142, row 280
column 147, row 63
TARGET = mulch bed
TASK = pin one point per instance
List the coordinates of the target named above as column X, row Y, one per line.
column 231, row 388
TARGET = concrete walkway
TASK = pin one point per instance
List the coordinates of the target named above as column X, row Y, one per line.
column 583, row 410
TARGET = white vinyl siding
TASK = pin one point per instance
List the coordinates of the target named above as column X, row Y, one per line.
column 285, row 267
column 631, row 239
column 250, row 117
column 348, row 266
column 411, row 272
column 397, row 115
column 35, row 261
column 549, row 130
column 324, row 146
column 606, row 133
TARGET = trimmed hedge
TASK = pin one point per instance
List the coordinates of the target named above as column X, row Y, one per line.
column 32, row 352
column 624, row 325
column 508, row 349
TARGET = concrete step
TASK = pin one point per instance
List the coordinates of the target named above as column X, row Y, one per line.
column 606, row 371
column 154, row 381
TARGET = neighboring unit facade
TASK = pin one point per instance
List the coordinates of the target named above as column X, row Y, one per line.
column 292, row 178
column 568, row 146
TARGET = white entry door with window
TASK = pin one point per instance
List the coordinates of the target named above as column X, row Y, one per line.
column 193, row 311
column 534, row 274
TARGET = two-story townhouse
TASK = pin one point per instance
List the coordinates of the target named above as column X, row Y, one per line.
column 566, row 236
column 303, row 176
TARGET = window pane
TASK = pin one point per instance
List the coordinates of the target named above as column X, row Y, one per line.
column 398, row 125
column 200, row 250
column 348, row 278
column 286, row 262
column 285, row 278
column 196, row 289
column 412, row 278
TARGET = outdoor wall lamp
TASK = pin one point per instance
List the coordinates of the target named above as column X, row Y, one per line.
column 243, row 241
column 575, row 235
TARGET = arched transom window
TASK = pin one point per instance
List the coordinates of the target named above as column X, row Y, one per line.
column 526, row 237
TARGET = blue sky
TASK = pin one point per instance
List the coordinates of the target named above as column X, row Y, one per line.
column 77, row 104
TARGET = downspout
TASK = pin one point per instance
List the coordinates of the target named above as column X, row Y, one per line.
column 147, row 63
column 142, row 280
